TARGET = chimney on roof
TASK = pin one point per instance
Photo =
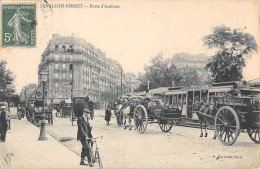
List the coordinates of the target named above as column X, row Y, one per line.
column 55, row 35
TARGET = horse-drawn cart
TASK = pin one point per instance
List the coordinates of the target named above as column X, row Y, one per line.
column 235, row 113
column 145, row 110
column 153, row 110
column 232, row 113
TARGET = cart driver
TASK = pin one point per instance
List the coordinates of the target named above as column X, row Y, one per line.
column 236, row 92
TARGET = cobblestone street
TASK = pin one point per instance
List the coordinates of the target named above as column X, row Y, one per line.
column 180, row 148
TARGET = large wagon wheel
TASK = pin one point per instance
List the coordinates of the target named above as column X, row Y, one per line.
column 227, row 125
column 140, row 118
column 166, row 125
column 253, row 134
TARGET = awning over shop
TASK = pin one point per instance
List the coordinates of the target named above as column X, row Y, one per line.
column 58, row 100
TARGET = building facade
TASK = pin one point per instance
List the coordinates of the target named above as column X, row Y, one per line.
column 28, row 93
column 186, row 62
column 70, row 61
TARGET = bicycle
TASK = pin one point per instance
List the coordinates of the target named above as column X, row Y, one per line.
column 95, row 153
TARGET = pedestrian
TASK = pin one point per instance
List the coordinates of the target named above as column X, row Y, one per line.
column 3, row 124
column 54, row 112
column 84, row 131
column 91, row 109
column 108, row 115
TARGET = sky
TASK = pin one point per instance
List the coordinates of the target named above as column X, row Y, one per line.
column 137, row 31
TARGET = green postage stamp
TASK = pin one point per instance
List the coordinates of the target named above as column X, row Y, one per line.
column 18, row 25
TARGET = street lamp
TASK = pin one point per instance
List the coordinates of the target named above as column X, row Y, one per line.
column 44, row 79
column 7, row 89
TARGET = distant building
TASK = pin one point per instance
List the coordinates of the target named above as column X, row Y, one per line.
column 28, row 93
column 71, row 60
column 130, row 83
column 186, row 62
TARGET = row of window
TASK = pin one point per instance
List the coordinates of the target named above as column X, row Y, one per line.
column 63, row 76
column 65, row 48
column 176, row 99
column 196, row 96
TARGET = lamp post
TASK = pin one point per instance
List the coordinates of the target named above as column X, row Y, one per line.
column 71, row 83
column 8, row 94
column 44, row 79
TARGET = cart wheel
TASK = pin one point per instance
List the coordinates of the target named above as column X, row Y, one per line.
column 140, row 118
column 253, row 134
column 165, row 125
column 227, row 125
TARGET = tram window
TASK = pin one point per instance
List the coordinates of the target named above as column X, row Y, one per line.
column 219, row 94
column 170, row 99
column 197, row 96
column 211, row 95
column 204, row 96
column 167, row 100
column 179, row 99
column 174, row 99
column 184, row 99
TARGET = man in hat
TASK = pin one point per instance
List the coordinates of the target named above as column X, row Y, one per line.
column 84, row 131
column 108, row 115
column 3, row 123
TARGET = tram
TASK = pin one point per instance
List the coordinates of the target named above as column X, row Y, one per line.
column 184, row 98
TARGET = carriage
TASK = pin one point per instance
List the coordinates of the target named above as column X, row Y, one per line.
column 147, row 110
column 153, row 110
column 66, row 109
column 36, row 113
column 234, row 113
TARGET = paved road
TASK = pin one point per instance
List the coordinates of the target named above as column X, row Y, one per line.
column 180, row 148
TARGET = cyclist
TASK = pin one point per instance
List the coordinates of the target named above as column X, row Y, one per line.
column 84, row 131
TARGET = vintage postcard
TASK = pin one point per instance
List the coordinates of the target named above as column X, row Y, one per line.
column 129, row 84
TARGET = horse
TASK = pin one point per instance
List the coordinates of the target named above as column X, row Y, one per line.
column 208, row 111
column 127, row 115
column 119, row 114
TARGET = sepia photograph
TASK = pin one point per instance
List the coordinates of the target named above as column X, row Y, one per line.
column 129, row 84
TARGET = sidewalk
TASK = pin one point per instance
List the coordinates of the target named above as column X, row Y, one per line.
column 23, row 150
